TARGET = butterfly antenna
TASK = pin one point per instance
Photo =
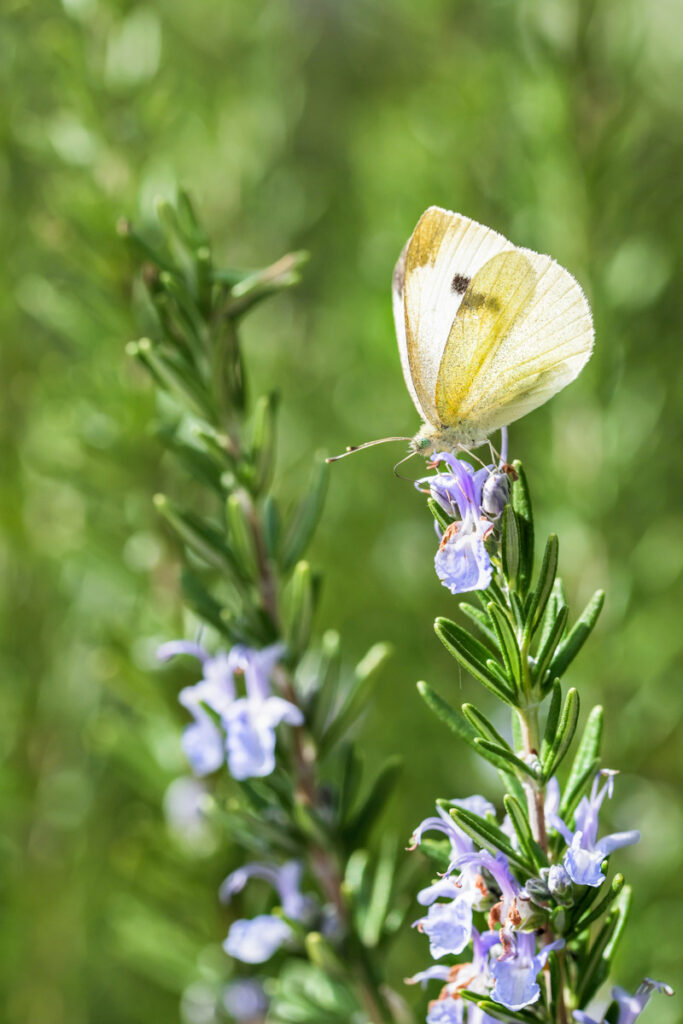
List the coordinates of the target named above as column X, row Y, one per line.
column 368, row 444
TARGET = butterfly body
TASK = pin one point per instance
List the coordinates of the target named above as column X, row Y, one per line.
column 487, row 331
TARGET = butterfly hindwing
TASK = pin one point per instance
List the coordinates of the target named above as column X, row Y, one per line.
column 522, row 333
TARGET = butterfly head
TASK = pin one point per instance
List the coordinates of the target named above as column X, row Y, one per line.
column 430, row 439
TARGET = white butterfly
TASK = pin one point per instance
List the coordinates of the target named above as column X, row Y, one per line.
column 486, row 331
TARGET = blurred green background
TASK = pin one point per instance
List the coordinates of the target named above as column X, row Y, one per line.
column 329, row 126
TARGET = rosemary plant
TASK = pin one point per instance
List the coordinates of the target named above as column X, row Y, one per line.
column 523, row 914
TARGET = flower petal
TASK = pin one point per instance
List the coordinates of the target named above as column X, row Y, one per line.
column 462, row 563
column 255, row 941
column 174, row 647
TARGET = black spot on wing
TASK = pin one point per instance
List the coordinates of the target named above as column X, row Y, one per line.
column 460, row 284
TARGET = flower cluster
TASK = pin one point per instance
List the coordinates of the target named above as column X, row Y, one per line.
column 505, row 962
column 239, row 729
column 509, row 956
column 473, row 499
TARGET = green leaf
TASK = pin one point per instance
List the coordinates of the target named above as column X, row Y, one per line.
column 370, row 811
column 545, row 653
column 355, row 700
column 505, row 754
column 527, row 844
column 481, row 723
column 471, row 655
column 544, row 585
column 282, row 274
column 587, row 754
column 577, row 635
column 551, row 721
column 326, row 686
column 240, row 518
column 448, row 715
column 262, row 442
column 565, row 733
column 552, row 607
column 521, row 503
column 489, row 837
column 350, row 780
column 439, row 515
column 200, row 465
column 600, row 955
column 380, row 895
column 298, row 613
column 497, row 1011
column 507, row 642
column 305, row 518
column 600, row 908
column 199, row 535
column 321, row 954
column 480, row 619
column 171, row 375
column 203, row 604
column 510, row 546
column 271, row 526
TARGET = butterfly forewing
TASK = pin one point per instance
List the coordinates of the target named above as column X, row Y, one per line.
column 433, row 273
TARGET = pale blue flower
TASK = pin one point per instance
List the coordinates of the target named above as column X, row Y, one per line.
column 249, row 722
column 446, row 1011
column 515, row 972
column 462, row 562
column 437, row 972
column 514, row 906
column 630, row 1006
column 448, row 926
column 285, row 879
column 474, row 976
column 460, row 842
column 255, row 940
column 585, row 854
column 245, row 1000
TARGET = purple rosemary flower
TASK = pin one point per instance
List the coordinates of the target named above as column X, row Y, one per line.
column 462, row 562
column 255, row 941
column 585, row 854
column 630, row 1006
column 515, row 972
column 249, row 722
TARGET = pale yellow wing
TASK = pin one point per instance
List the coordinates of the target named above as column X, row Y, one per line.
column 523, row 332
column 432, row 274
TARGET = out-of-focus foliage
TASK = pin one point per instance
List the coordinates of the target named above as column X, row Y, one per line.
column 329, row 126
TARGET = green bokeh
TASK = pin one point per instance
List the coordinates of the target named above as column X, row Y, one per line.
column 329, row 126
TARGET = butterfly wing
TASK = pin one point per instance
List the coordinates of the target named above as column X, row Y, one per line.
column 432, row 274
column 522, row 332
